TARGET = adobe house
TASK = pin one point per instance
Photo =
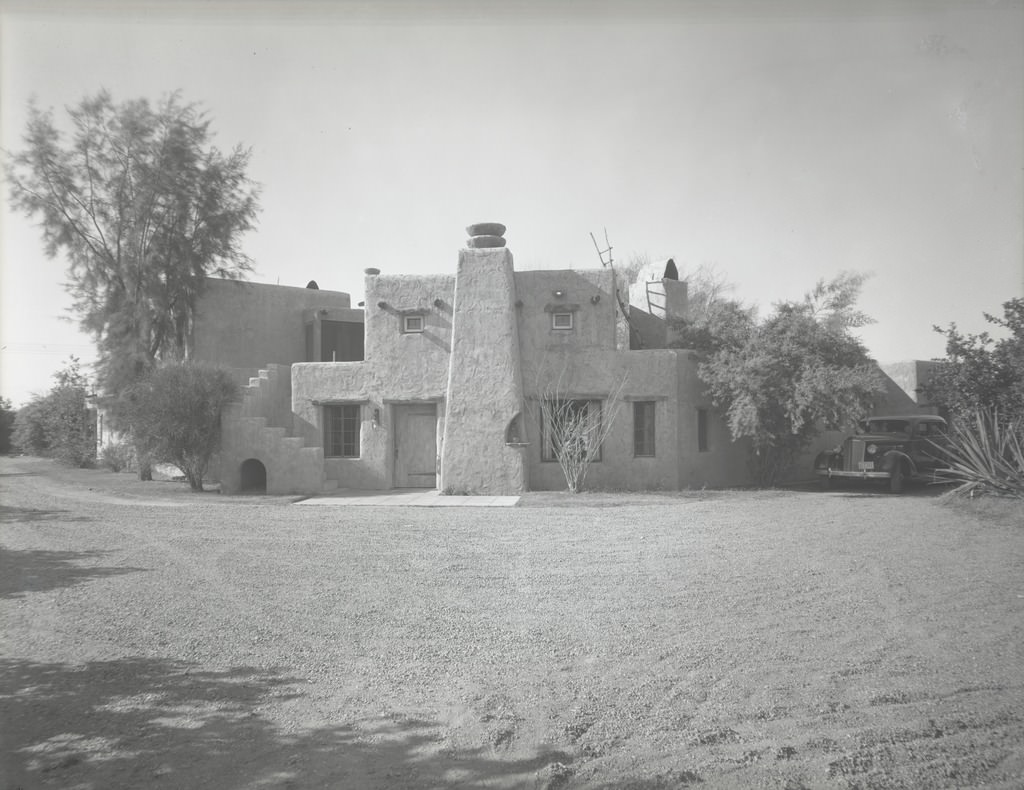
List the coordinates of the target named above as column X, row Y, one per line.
column 444, row 389
column 438, row 381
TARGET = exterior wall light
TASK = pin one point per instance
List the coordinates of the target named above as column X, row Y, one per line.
column 382, row 305
column 559, row 294
column 595, row 298
column 376, row 417
column 439, row 303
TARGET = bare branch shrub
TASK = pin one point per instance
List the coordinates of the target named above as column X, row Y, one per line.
column 574, row 429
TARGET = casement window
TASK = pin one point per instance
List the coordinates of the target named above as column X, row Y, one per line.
column 561, row 321
column 412, row 323
column 702, row 431
column 572, row 426
column 643, row 428
column 341, row 431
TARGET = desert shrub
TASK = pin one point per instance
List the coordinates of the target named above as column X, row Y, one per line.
column 117, row 457
column 59, row 424
column 981, row 372
column 174, row 414
column 987, row 455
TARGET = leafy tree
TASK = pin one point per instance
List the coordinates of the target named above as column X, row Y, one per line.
column 143, row 208
column 175, row 412
column 781, row 381
column 981, row 373
column 59, row 424
column 7, row 414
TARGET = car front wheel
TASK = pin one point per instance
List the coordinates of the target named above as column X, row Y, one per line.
column 898, row 480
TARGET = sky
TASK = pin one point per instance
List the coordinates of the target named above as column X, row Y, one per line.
column 780, row 142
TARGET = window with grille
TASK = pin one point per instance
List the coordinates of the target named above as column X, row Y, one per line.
column 341, row 431
column 643, row 428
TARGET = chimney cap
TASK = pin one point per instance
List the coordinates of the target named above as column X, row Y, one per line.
column 486, row 229
column 371, row 272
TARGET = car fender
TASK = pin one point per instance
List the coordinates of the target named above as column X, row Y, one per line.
column 893, row 457
column 828, row 459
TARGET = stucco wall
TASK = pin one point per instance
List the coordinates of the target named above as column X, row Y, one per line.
column 724, row 462
column 588, row 294
column 911, row 375
column 399, row 368
column 250, row 325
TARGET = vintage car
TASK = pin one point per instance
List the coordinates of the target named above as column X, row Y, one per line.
column 896, row 449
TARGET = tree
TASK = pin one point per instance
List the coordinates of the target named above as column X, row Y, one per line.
column 143, row 208
column 175, row 412
column 781, row 381
column 59, row 424
column 980, row 373
column 7, row 414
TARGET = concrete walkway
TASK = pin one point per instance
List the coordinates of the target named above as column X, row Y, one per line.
column 407, row 497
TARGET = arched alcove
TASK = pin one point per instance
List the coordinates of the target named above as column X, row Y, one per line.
column 254, row 477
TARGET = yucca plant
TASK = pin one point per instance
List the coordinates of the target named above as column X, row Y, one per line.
column 986, row 455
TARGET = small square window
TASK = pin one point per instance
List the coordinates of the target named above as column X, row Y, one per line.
column 561, row 320
column 412, row 323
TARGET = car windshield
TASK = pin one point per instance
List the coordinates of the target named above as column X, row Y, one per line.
column 930, row 429
column 887, row 426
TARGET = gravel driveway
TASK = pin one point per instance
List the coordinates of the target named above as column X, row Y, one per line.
column 154, row 639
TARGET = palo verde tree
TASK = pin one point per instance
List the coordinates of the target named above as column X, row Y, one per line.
column 143, row 208
column 780, row 381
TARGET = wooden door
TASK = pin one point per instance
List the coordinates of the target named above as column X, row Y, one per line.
column 416, row 445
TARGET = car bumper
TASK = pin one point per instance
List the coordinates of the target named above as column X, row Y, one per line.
column 830, row 473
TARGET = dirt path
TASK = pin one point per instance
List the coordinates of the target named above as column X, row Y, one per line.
column 153, row 639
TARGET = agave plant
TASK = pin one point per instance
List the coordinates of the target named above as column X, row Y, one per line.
column 986, row 455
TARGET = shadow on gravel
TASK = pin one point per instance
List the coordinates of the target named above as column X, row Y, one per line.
column 861, row 490
column 24, row 572
column 143, row 722
column 912, row 492
column 24, row 515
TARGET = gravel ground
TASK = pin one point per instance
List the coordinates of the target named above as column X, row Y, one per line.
column 150, row 638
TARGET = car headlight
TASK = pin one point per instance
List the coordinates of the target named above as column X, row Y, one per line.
column 871, row 449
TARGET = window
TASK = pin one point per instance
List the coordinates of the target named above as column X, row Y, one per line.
column 341, row 431
column 702, row 430
column 561, row 320
column 412, row 323
column 643, row 428
column 570, row 426
column 341, row 341
column 887, row 426
column 930, row 429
